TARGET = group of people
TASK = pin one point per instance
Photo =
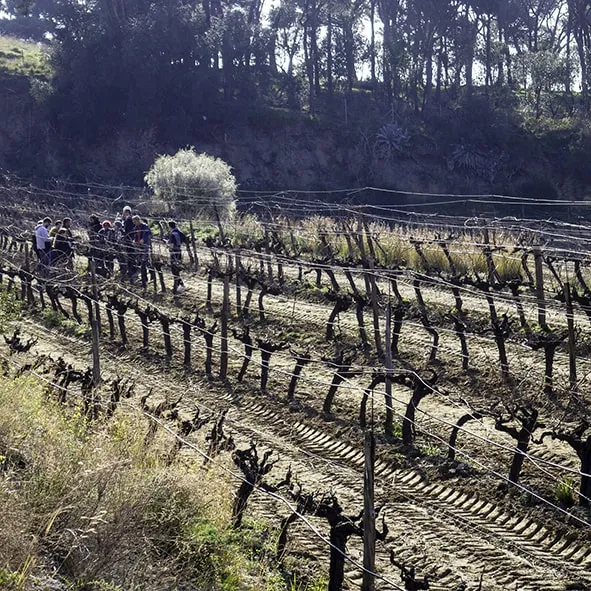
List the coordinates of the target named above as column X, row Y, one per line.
column 127, row 239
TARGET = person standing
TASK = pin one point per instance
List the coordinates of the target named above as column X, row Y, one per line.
column 61, row 250
column 43, row 244
column 175, row 241
column 106, row 240
column 56, row 228
column 67, row 226
column 128, row 251
column 120, row 247
column 142, row 239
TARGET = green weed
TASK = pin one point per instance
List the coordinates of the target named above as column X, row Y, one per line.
column 566, row 491
column 9, row 580
column 396, row 431
column 319, row 584
column 52, row 318
column 430, row 450
column 10, row 308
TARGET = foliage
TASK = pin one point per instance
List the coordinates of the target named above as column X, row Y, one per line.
column 9, row 581
column 10, row 308
column 391, row 139
column 214, row 71
column 508, row 267
column 24, row 58
column 245, row 230
column 194, row 183
column 470, row 158
column 396, row 430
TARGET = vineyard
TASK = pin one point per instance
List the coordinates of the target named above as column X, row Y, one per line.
column 431, row 369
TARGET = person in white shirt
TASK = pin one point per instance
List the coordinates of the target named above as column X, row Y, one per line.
column 43, row 243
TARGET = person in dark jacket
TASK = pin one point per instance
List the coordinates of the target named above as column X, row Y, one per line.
column 61, row 252
column 93, row 227
column 128, row 255
column 141, row 242
column 107, row 244
column 175, row 241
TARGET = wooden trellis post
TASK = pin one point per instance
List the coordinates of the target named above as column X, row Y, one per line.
column 369, row 514
column 540, row 287
column 224, row 329
column 95, row 328
column 572, row 352
column 237, row 282
column 389, row 422
column 193, row 245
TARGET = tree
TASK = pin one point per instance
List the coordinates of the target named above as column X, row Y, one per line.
column 199, row 184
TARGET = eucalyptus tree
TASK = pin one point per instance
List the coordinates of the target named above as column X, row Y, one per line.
column 580, row 21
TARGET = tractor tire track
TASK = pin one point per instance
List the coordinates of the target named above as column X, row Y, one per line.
column 462, row 537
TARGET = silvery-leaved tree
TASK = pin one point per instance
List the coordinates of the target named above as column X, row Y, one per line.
column 195, row 184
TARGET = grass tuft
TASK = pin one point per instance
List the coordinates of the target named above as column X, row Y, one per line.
column 566, row 491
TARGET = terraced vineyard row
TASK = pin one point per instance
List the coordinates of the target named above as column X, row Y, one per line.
column 446, row 518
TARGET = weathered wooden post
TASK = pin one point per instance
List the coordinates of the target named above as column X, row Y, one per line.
column 369, row 514
column 389, row 422
column 95, row 329
column 193, row 245
column 490, row 264
column 572, row 352
column 238, row 265
column 540, row 287
column 224, row 329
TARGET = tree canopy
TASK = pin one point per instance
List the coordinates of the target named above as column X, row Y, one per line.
column 168, row 68
column 193, row 183
column 144, row 53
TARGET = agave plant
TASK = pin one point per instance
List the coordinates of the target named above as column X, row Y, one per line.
column 391, row 139
column 467, row 157
column 470, row 158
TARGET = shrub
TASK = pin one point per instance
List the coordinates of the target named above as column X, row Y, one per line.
column 391, row 139
column 10, row 308
column 192, row 183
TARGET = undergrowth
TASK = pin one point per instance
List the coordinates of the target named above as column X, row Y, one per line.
column 96, row 504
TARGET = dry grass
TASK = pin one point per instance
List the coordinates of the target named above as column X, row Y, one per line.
column 508, row 266
column 394, row 247
column 104, row 507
